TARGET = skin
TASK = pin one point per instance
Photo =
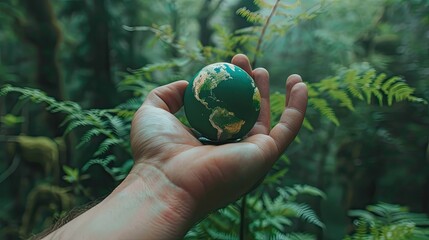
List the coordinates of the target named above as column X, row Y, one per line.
column 176, row 180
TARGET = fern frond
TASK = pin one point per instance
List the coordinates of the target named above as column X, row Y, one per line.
column 38, row 96
column 150, row 68
column 350, row 79
column 399, row 91
column 304, row 212
column 323, row 107
column 107, row 144
column 306, row 124
column 74, row 124
column 385, row 86
column 343, row 98
column 362, row 86
column 213, row 234
column 131, row 104
column 290, row 193
column 293, row 236
column 104, row 162
column 250, row 16
column 388, row 221
column 118, row 126
column 231, row 213
column 275, row 178
column 91, row 133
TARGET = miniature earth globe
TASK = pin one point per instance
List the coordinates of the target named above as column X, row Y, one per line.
column 222, row 102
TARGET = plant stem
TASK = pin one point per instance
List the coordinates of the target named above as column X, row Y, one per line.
column 264, row 29
column 242, row 217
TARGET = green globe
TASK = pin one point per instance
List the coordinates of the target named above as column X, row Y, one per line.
column 222, row 102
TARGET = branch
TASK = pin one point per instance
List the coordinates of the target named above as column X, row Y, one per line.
column 264, row 29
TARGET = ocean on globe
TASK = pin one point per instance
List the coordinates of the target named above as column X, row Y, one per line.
column 222, row 102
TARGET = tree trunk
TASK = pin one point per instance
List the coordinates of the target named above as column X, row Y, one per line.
column 42, row 31
column 101, row 85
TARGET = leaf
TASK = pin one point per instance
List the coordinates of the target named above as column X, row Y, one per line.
column 104, row 162
column 323, row 107
column 304, row 212
column 106, row 145
column 290, row 193
column 74, row 124
column 389, row 221
column 91, row 134
column 275, row 178
column 343, row 98
column 72, row 174
column 250, row 16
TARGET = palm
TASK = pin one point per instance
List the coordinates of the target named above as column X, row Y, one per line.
column 211, row 174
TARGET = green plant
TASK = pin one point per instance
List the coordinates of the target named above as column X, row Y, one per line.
column 387, row 221
column 267, row 215
column 111, row 124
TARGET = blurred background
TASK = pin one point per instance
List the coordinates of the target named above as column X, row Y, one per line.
column 81, row 67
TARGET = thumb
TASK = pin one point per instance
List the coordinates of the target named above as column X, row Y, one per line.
column 168, row 97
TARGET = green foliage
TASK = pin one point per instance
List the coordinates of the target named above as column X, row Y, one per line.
column 112, row 125
column 364, row 86
column 348, row 86
column 290, row 14
column 387, row 221
column 268, row 217
column 315, row 38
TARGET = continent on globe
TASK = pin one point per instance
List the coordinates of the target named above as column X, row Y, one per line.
column 222, row 102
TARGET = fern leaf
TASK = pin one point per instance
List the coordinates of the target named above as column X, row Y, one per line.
column 91, row 134
column 351, row 79
column 323, row 107
column 38, row 96
column 276, row 235
column 290, row 193
column 250, row 16
column 378, row 94
column 117, row 125
column 379, row 80
column 104, row 162
column 343, row 98
column 95, row 116
column 133, row 104
column 74, row 124
column 388, row 221
column 400, row 91
column 107, row 144
column 213, row 234
column 363, row 214
column 296, row 236
column 386, row 85
column 275, row 177
column 304, row 212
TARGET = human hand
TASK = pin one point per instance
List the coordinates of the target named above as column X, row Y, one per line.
column 176, row 180
column 213, row 176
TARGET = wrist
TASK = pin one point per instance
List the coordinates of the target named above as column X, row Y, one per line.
column 163, row 208
column 146, row 205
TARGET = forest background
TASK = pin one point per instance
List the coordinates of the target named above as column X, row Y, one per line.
column 73, row 72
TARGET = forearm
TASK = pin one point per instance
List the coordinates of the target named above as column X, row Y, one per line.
column 146, row 205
